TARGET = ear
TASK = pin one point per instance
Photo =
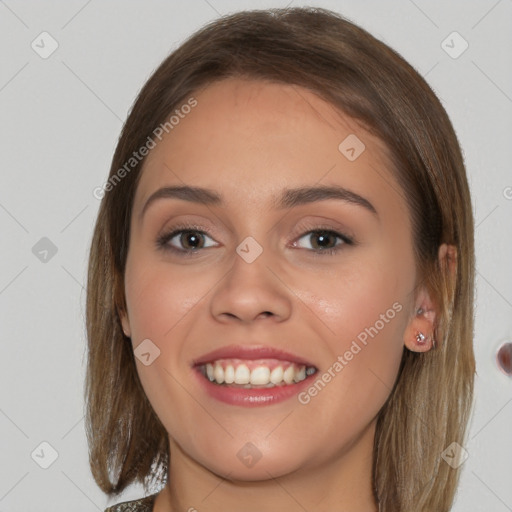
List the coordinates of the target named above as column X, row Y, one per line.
column 123, row 315
column 419, row 333
column 448, row 253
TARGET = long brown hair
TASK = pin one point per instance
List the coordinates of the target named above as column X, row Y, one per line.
column 428, row 407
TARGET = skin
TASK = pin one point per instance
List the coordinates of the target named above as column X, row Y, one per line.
column 248, row 140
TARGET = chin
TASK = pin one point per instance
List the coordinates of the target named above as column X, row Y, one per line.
column 246, row 463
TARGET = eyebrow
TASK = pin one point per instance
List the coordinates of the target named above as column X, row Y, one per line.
column 288, row 199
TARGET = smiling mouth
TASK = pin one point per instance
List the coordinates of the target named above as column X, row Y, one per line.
column 255, row 373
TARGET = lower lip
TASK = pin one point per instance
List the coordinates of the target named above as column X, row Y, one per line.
column 251, row 397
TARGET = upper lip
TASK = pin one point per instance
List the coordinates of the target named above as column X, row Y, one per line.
column 250, row 352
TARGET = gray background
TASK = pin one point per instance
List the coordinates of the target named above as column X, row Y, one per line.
column 60, row 120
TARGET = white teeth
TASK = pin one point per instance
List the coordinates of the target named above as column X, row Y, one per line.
column 229, row 374
column 209, row 371
column 260, row 376
column 276, row 376
column 218, row 373
column 300, row 375
column 242, row 374
column 289, row 373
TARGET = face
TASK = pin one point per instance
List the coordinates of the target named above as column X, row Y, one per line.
column 320, row 281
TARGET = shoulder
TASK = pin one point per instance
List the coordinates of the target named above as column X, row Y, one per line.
column 140, row 505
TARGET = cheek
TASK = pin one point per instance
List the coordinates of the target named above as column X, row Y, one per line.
column 158, row 299
column 349, row 302
column 361, row 315
column 160, row 302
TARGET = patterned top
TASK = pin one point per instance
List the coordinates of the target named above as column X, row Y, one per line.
column 140, row 505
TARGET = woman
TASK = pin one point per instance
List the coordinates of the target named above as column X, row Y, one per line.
column 280, row 290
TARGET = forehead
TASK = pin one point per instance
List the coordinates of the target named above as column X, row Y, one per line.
column 250, row 139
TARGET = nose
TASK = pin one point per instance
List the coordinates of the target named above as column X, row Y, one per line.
column 251, row 291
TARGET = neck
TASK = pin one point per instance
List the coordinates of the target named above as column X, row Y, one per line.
column 341, row 484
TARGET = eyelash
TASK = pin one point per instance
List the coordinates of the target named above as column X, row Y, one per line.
column 162, row 242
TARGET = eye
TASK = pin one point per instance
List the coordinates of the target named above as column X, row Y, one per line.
column 184, row 240
column 188, row 240
column 324, row 241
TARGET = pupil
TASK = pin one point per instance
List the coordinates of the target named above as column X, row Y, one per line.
column 323, row 237
column 189, row 236
column 191, row 239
